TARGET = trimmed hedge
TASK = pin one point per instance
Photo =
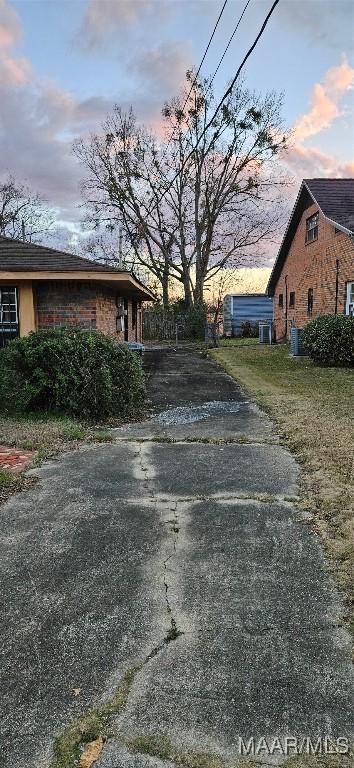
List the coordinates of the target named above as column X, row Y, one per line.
column 70, row 371
column 329, row 340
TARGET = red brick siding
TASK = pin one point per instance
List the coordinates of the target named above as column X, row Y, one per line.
column 106, row 312
column 313, row 265
column 65, row 303
column 107, row 316
column 84, row 304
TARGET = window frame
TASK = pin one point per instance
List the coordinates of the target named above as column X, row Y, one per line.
column 281, row 301
column 10, row 307
column 349, row 297
column 313, row 229
column 292, row 299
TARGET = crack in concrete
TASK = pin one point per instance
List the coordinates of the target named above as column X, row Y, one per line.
column 195, row 440
column 175, row 530
column 262, row 498
column 147, row 474
column 95, row 723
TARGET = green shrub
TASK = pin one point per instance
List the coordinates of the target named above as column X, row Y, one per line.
column 72, row 371
column 196, row 318
column 329, row 340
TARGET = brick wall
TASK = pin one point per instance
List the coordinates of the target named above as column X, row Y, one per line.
column 313, row 265
column 65, row 303
column 106, row 310
column 84, row 304
column 107, row 316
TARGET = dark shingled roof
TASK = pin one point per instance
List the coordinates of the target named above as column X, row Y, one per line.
column 17, row 256
column 335, row 199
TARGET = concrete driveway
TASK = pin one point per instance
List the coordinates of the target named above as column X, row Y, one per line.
column 177, row 553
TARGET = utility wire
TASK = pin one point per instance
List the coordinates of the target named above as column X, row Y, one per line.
column 224, row 97
column 231, row 86
column 230, row 41
column 197, row 73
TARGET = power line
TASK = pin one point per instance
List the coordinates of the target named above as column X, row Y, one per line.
column 224, row 97
column 198, row 71
column 230, row 41
column 206, row 51
column 230, row 88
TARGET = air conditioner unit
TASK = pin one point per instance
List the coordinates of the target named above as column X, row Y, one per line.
column 296, row 342
column 265, row 333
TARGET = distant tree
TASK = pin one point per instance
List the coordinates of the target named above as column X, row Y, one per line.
column 24, row 215
column 205, row 198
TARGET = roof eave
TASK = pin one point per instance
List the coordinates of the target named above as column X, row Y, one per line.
column 270, row 287
column 336, row 224
column 112, row 278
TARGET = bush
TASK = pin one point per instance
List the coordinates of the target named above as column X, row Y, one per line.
column 196, row 318
column 329, row 340
column 70, row 370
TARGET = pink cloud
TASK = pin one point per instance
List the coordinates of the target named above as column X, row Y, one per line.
column 10, row 28
column 307, row 162
column 325, row 101
column 14, row 72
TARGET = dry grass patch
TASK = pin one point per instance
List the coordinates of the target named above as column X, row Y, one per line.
column 34, row 432
column 46, row 435
column 312, row 408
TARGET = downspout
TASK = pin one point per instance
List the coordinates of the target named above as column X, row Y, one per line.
column 337, row 285
column 286, row 306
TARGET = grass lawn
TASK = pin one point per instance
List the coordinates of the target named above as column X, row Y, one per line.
column 46, row 435
column 313, row 409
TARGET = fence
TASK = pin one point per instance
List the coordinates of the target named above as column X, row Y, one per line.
column 164, row 326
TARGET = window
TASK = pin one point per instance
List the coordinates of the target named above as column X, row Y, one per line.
column 281, row 300
column 8, row 315
column 292, row 299
column 309, row 301
column 8, row 306
column 311, row 228
column 349, row 307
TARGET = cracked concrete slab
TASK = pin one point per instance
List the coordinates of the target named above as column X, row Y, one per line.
column 78, row 589
column 196, row 402
column 264, row 654
column 145, row 553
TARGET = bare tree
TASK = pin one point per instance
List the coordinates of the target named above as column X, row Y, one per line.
column 24, row 215
column 220, row 285
column 205, row 198
column 111, row 248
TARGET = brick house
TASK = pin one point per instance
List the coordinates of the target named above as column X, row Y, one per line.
column 314, row 271
column 44, row 288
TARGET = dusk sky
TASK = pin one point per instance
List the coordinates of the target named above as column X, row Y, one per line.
column 64, row 63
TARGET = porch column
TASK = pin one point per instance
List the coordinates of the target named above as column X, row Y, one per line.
column 27, row 318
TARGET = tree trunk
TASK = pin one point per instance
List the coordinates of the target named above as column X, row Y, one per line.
column 165, row 296
column 199, row 287
column 188, row 298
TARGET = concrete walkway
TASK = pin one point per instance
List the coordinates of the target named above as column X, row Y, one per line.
column 183, row 553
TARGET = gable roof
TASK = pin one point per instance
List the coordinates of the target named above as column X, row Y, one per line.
column 17, row 255
column 335, row 200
